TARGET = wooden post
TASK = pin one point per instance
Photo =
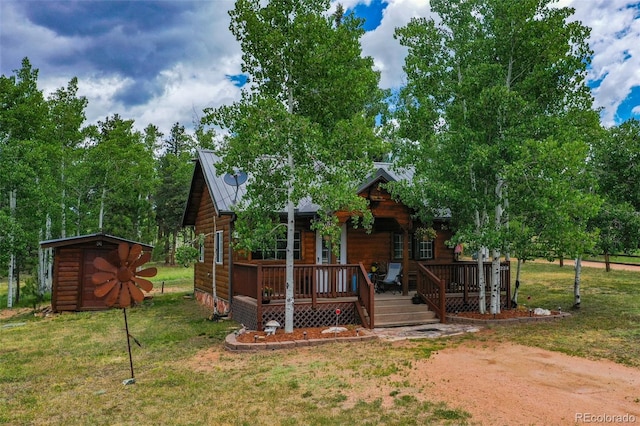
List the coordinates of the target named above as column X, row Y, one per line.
column 126, row 328
column 314, row 287
column 443, row 302
column 405, row 262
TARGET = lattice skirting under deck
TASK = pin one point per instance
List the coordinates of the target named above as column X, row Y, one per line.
column 324, row 315
column 459, row 304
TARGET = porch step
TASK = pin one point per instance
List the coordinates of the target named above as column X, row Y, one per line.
column 400, row 311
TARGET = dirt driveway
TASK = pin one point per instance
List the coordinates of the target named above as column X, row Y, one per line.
column 509, row 384
column 600, row 265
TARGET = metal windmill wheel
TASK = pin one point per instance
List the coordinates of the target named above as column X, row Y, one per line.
column 121, row 284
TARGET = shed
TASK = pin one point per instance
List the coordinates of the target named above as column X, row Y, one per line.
column 72, row 288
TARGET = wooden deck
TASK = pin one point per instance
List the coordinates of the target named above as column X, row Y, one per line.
column 320, row 290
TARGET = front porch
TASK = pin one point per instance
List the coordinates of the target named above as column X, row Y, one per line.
column 259, row 292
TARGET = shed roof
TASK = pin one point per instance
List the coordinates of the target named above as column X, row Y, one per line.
column 81, row 239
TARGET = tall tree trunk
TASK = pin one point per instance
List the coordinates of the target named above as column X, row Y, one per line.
column 288, row 312
column 482, row 296
column 17, row 283
column 495, row 262
column 576, row 283
column 12, row 257
column 78, row 215
column 63, row 205
column 174, row 243
column 479, row 221
column 214, row 277
column 495, row 282
column 607, row 261
column 166, row 242
column 288, row 307
column 44, row 262
column 104, row 195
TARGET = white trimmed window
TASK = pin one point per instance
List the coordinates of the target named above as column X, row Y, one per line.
column 219, row 244
column 280, row 249
column 398, row 246
column 425, row 249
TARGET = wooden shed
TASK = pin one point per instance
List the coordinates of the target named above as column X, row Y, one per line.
column 72, row 288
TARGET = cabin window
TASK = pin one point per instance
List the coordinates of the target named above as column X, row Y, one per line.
column 326, row 252
column 424, row 249
column 280, row 250
column 398, row 246
column 219, row 247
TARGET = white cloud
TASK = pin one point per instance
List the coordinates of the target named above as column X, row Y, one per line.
column 186, row 93
column 101, row 91
column 200, row 52
column 614, row 39
column 387, row 53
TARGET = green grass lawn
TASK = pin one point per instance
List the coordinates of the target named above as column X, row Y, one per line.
column 69, row 368
column 606, row 326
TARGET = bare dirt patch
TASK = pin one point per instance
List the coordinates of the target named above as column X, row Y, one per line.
column 498, row 383
column 504, row 383
column 12, row 312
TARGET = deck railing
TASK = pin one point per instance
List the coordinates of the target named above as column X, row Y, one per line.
column 444, row 287
column 459, row 281
column 366, row 294
column 432, row 290
column 311, row 283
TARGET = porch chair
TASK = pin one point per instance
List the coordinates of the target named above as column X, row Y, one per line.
column 393, row 280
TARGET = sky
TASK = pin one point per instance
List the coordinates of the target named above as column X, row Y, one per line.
column 163, row 62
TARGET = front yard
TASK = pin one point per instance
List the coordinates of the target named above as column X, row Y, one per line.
column 68, row 369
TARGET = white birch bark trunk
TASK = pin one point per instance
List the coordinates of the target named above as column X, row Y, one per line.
column 12, row 258
column 482, row 296
column 288, row 307
column 101, row 217
column 576, row 283
column 44, row 261
column 495, row 282
column 495, row 261
column 214, row 279
column 63, row 205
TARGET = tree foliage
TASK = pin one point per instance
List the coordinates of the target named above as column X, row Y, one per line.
column 304, row 127
column 615, row 167
column 495, row 100
column 174, row 169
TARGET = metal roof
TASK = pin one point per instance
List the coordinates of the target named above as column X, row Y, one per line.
column 79, row 239
column 225, row 196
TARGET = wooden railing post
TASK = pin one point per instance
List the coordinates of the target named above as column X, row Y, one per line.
column 443, row 302
column 366, row 296
column 314, row 287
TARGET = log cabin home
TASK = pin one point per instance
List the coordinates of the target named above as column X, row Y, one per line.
column 251, row 286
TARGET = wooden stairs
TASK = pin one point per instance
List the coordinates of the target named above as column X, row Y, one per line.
column 393, row 310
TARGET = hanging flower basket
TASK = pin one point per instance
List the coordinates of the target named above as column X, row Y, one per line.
column 426, row 234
